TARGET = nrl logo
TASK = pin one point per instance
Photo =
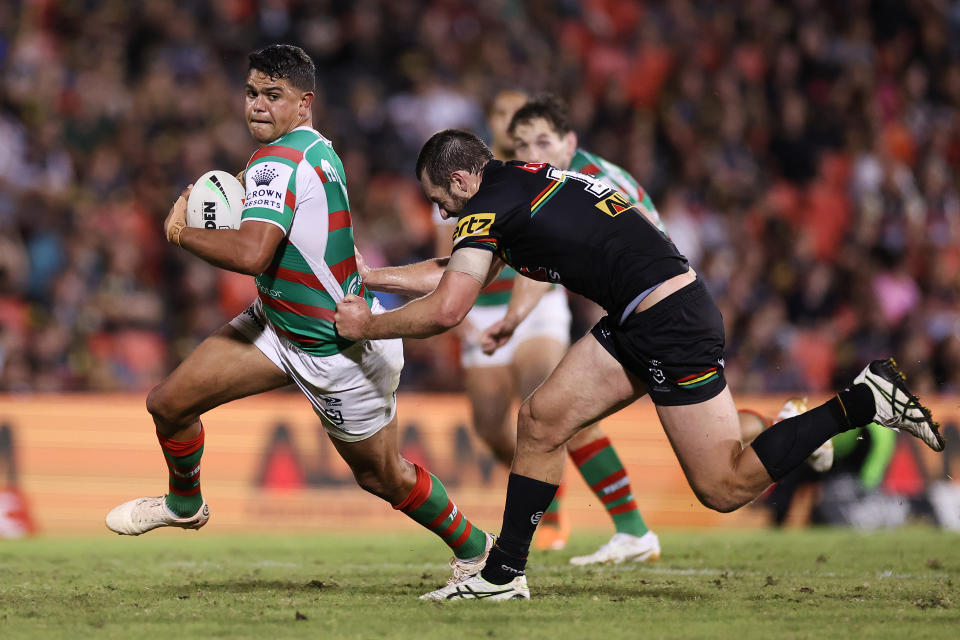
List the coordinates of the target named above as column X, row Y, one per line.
column 264, row 176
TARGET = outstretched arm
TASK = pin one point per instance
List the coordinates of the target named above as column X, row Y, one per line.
column 442, row 309
column 411, row 280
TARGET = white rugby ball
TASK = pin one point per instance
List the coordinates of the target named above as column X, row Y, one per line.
column 215, row 202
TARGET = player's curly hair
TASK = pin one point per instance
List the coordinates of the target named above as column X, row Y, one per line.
column 546, row 106
column 451, row 150
column 285, row 61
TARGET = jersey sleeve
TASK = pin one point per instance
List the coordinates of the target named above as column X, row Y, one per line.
column 271, row 193
column 476, row 231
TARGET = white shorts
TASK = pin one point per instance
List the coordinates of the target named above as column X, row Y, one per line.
column 550, row 319
column 353, row 392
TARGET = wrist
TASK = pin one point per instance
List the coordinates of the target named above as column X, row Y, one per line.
column 174, row 231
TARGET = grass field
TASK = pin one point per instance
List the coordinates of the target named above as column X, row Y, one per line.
column 709, row 584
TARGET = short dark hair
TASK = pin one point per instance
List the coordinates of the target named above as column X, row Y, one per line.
column 452, row 150
column 546, row 106
column 285, row 61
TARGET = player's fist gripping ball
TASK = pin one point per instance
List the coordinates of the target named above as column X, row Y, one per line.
column 215, row 202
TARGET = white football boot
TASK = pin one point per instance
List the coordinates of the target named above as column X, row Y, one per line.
column 623, row 547
column 463, row 568
column 896, row 407
column 822, row 458
column 476, row 588
column 146, row 514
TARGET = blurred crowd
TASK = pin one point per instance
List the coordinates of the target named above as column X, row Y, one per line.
column 804, row 155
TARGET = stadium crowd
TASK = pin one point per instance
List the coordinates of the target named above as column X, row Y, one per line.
column 805, row 157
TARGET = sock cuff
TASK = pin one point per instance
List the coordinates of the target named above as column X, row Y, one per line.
column 420, row 492
column 180, row 448
column 587, row 451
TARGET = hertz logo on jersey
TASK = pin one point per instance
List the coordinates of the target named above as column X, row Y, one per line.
column 614, row 204
column 476, row 224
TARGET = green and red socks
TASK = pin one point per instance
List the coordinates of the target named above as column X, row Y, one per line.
column 428, row 504
column 600, row 466
column 183, row 463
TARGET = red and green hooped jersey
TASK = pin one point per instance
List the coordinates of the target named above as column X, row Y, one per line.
column 618, row 178
column 297, row 183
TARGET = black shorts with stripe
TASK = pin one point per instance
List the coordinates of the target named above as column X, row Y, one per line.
column 675, row 347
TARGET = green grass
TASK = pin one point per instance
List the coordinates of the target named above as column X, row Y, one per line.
column 710, row 584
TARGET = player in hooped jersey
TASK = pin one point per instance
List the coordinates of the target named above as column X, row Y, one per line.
column 296, row 239
column 662, row 336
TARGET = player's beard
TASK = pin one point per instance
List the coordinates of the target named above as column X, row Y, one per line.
column 459, row 202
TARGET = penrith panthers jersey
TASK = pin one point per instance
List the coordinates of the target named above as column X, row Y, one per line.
column 569, row 228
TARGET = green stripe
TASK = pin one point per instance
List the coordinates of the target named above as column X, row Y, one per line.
column 493, row 299
column 186, row 462
column 339, row 246
column 434, row 504
column 618, row 502
column 296, row 292
column 283, row 219
column 216, row 190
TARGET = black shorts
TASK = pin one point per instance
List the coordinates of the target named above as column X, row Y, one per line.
column 675, row 346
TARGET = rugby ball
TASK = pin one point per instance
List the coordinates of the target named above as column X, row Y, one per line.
column 215, row 202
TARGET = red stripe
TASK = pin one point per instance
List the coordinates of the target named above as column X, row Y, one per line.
column 616, row 495
column 697, row 375
column 453, row 526
column 180, row 448
column 185, row 494
column 624, row 508
column 343, row 269
column 295, row 307
column 587, row 451
column 610, row 479
column 463, row 536
column 321, row 174
column 590, row 169
column 419, row 494
column 279, row 151
column 443, row 516
column 294, row 337
column 290, row 200
column 540, row 195
column 550, row 518
column 338, row 220
column 299, row 277
column 498, row 286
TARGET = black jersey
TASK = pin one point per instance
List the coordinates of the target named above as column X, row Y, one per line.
column 570, row 228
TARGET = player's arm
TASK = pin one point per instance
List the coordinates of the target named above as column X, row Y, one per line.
column 442, row 309
column 526, row 294
column 249, row 249
column 412, row 280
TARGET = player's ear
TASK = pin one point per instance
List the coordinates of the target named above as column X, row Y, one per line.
column 571, row 140
column 306, row 102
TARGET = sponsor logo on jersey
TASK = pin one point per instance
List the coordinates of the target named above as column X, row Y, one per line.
column 615, row 204
column 476, row 224
column 259, row 195
column 264, row 176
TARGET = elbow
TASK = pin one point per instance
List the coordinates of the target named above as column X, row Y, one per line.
column 256, row 263
column 450, row 316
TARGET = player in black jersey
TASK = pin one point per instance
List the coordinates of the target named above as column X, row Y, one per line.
column 663, row 336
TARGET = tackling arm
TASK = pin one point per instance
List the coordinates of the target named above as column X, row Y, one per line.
column 410, row 280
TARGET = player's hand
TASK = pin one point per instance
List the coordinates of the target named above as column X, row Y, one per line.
column 177, row 217
column 497, row 335
column 362, row 267
column 352, row 317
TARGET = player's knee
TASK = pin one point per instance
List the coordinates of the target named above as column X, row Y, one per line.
column 722, row 494
column 535, row 432
column 164, row 409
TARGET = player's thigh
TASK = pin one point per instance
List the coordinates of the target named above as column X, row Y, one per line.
column 224, row 367
column 534, row 359
column 706, row 438
column 491, row 391
column 586, row 386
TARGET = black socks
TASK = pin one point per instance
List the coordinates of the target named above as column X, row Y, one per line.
column 788, row 443
column 527, row 499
